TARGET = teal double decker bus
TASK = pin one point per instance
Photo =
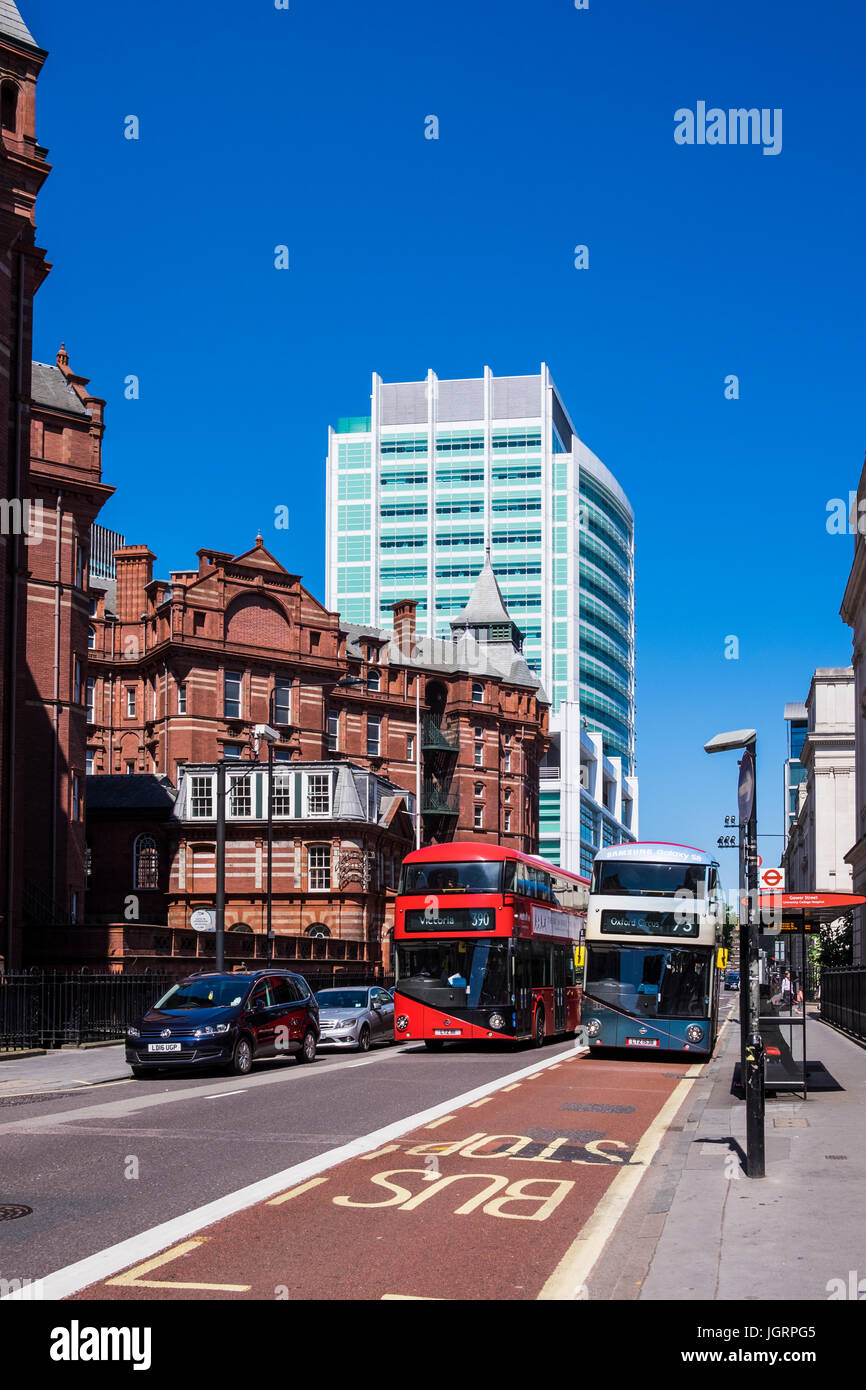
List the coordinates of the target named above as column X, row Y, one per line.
column 654, row 930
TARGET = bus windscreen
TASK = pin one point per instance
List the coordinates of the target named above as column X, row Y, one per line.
column 653, row 982
column 462, row 876
column 621, row 878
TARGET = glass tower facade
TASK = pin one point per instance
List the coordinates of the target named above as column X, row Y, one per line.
column 441, row 470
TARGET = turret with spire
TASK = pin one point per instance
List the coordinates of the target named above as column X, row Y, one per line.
column 485, row 615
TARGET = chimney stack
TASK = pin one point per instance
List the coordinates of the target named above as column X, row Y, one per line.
column 404, row 624
column 134, row 573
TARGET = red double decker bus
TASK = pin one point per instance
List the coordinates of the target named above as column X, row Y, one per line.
column 487, row 944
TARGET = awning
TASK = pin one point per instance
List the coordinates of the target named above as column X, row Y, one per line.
column 816, row 908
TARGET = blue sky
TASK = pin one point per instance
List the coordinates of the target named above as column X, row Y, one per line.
column 261, row 127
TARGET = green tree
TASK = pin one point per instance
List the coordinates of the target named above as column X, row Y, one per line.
column 834, row 944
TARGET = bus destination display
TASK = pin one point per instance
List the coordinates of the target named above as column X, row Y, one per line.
column 443, row 917
column 630, row 922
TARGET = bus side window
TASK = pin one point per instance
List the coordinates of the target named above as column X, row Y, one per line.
column 509, row 878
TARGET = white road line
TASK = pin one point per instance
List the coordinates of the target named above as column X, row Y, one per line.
column 95, row 1268
column 224, row 1095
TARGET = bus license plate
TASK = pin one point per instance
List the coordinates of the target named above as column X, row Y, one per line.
column 642, row 1042
column 447, row 1032
column 163, row 1047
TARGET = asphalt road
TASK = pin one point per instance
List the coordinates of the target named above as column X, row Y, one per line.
column 101, row 1165
column 493, row 1201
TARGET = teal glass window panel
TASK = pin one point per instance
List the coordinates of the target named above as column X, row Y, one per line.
column 353, row 485
column 560, row 603
column 353, row 518
column 353, row 580
column 353, row 548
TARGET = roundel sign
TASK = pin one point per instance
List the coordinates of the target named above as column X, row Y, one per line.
column 772, row 878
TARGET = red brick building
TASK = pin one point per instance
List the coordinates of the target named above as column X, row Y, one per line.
column 184, row 668
column 23, row 170
column 50, row 492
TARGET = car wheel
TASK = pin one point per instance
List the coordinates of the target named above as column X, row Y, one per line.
column 538, row 1039
column 308, row 1047
column 242, row 1057
column 434, row 1044
column 364, row 1039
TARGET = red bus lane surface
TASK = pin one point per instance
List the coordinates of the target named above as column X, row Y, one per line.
column 480, row 1204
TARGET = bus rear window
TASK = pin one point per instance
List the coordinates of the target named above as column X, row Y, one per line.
column 461, row 877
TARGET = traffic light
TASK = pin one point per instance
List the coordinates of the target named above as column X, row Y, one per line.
column 727, row 842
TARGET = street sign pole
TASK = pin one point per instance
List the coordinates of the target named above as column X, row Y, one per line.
column 753, row 1068
column 220, row 866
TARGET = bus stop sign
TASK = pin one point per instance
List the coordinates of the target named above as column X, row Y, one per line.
column 746, row 787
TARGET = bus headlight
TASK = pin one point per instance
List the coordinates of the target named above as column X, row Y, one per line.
column 593, row 1028
column 497, row 1021
column 402, row 1023
column 694, row 1033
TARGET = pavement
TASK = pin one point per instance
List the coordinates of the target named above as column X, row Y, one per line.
column 699, row 1228
column 64, row 1069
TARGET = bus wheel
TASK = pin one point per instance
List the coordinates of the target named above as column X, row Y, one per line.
column 538, row 1040
column 434, row 1044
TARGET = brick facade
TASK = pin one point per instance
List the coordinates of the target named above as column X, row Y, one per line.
column 187, row 667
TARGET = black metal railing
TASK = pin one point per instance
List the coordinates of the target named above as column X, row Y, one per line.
column 48, row 1009
column 843, row 999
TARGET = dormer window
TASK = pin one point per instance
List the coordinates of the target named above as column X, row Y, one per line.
column 9, row 107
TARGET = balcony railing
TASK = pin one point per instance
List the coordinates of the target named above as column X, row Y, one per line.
column 437, row 802
column 435, row 739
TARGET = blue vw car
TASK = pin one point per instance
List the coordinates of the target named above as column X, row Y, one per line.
column 226, row 1020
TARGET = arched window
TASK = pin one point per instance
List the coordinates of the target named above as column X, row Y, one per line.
column 91, row 639
column 242, row 927
column 318, row 929
column 9, row 106
column 477, row 693
column 146, row 862
column 373, row 679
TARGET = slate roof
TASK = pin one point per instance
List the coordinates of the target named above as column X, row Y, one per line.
column 486, row 604
column 50, row 387
column 144, row 791
column 13, row 26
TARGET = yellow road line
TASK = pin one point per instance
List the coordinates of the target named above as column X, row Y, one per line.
column 434, row 1124
column 296, row 1191
column 133, row 1277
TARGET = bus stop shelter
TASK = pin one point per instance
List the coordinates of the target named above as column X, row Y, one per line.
column 782, row 1018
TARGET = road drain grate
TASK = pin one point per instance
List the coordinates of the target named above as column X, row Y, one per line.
column 10, row 1211
column 845, row 1156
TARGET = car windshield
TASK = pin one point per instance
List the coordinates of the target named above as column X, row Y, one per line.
column 342, row 998
column 659, row 982
column 626, row 878
column 462, row 877
column 210, row 992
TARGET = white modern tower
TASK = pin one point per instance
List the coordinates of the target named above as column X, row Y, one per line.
column 439, row 473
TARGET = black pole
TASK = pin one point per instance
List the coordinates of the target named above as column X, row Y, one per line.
column 221, row 867
column 754, row 1070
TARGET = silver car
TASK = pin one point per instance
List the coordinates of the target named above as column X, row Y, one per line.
column 355, row 1017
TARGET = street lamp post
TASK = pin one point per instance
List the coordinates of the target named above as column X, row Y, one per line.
column 220, row 906
column 751, row 1043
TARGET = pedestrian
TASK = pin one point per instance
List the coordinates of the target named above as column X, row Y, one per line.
column 787, row 991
